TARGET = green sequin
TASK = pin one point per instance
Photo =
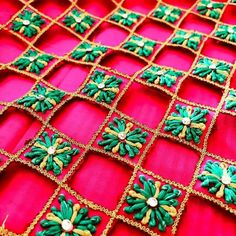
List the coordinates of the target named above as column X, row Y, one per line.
column 33, row 61
column 120, row 138
column 102, row 87
column 41, row 99
column 125, row 18
column 78, row 21
column 140, row 46
column 88, row 52
column 189, row 39
column 210, row 8
column 213, row 70
column 167, row 13
column 152, row 203
column 162, row 76
column 28, row 23
column 51, row 153
column 70, row 220
column 226, row 32
column 220, row 179
column 188, row 123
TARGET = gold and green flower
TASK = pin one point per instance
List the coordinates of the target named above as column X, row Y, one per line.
column 154, row 204
column 211, row 69
column 188, row 122
column 41, row 98
column 70, row 220
column 140, row 46
column 33, row 61
column 230, row 103
column 220, row 179
column 51, row 153
column 79, row 21
column 119, row 137
column 226, row 32
column 28, row 23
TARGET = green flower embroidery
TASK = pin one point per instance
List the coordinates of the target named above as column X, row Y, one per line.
column 154, row 204
column 41, row 99
column 69, row 220
column 189, row 39
column 213, row 70
column 28, row 23
column 226, row 32
column 158, row 75
column 210, row 8
column 78, row 21
column 118, row 137
column 188, row 123
column 140, row 46
column 103, row 87
column 125, row 18
column 220, row 179
column 88, row 52
column 33, row 61
column 167, row 13
column 51, row 153
column 231, row 101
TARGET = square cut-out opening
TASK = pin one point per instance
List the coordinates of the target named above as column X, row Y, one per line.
column 99, row 8
column 10, row 46
column 201, row 92
column 229, row 15
column 221, row 140
column 13, row 85
column 99, row 227
column 181, row 3
column 172, row 160
column 176, row 57
column 141, row 100
column 17, row 202
column 9, row 8
column 155, row 30
column 197, row 23
column 23, row 128
column 68, row 76
column 201, row 214
column 101, row 180
column 109, row 34
column 51, row 8
column 79, row 119
column 122, row 62
column 140, row 5
column 57, row 40
column 212, row 48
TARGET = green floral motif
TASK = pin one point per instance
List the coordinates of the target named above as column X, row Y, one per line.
column 226, row 32
column 41, row 99
column 210, row 8
column 162, row 76
column 231, row 101
column 88, row 52
column 125, row 18
column 167, row 13
column 213, row 70
column 188, row 123
column 33, row 61
column 28, row 23
column 103, row 87
column 51, row 153
column 152, row 203
column 118, row 137
column 69, row 220
column 189, row 39
column 220, row 179
column 140, row 46
column 78, row 21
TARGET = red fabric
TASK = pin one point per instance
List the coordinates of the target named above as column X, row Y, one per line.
column 99, row 178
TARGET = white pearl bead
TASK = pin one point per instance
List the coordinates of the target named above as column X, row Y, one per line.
column 51, row 150
column 186, row 121
column 140, row 43
column 226, row 179
column 230, row 30
column 152, row 202
column 67, row 226
column 40, row 97
column 160, row 72
column 125, row 16
column 78, row 20
column 167, row 12
column 101, row 85
column 212, row 66
column 209, row 5
column 26, row 22
column 122, row 135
